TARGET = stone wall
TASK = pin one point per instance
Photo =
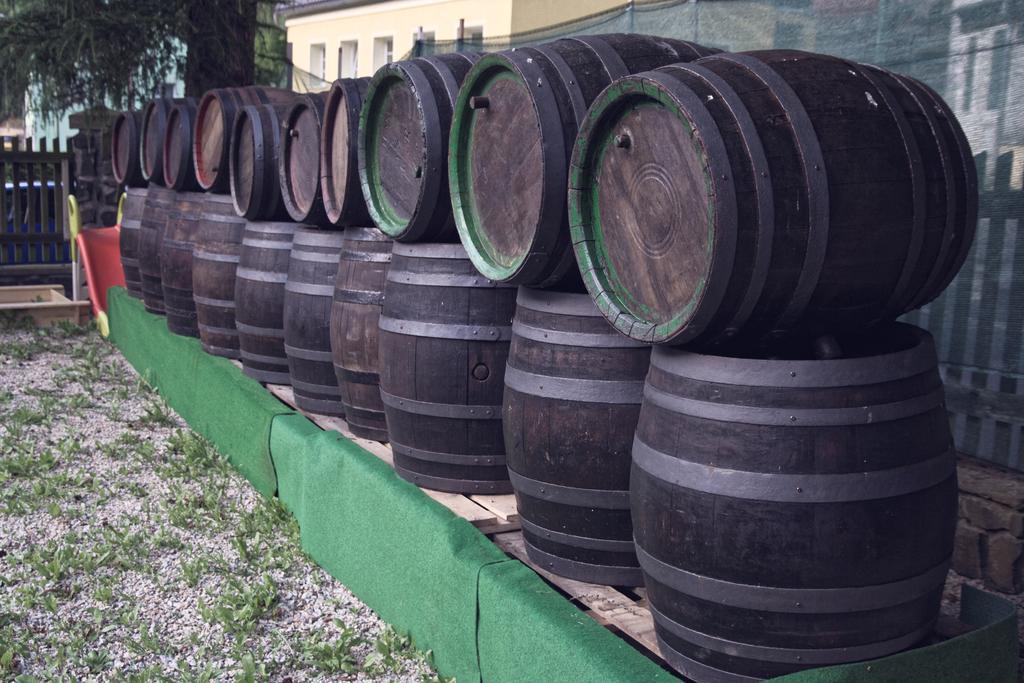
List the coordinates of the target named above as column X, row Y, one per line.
column 990, row 532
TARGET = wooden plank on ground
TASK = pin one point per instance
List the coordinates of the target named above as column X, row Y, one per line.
column 625, row 614
column 503, row 505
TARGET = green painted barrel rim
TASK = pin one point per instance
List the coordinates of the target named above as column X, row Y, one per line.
column 381, row 210
column 480, row 78
column 596, row 135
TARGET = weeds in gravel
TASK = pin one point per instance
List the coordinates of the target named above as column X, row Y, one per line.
column 335, row 656
column 131, row 550
column 240, row 605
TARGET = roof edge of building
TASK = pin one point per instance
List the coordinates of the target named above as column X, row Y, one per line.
column 301, row 8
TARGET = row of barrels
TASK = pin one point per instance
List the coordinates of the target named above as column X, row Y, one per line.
column 747, row 196
column 740, row 491
column 789, row 502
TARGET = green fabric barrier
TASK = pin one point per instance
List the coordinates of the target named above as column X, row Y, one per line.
column 528, row 632
column 212, row 395
column 410, row 559
column 987, row 654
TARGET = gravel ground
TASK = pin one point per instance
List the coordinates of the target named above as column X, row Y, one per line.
column 132, row 551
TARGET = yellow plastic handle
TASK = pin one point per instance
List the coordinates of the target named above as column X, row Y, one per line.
column 103, row 324
column 120, row 207
column 74, row 225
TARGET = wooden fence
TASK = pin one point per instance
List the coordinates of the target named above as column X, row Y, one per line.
column 34, row 236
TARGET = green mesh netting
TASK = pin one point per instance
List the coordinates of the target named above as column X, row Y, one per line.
column 972, row 53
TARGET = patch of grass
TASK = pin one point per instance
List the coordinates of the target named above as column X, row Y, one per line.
column 335, row 656
column 194, row 570
column 156, row 414
column 390, row 648
column 239, row 605
column 26, row 465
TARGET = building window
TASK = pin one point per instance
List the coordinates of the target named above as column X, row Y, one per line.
column 318, row 60
column 348, row 59
column 383, row 51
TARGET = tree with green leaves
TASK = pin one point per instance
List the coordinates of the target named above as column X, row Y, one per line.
column 85, row 53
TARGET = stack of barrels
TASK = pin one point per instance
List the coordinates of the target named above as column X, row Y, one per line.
column 647, row 286
column 444, row 328
column 760, row 220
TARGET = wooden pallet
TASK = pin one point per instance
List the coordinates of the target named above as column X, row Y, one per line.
column 612, row 608
column 45, row 304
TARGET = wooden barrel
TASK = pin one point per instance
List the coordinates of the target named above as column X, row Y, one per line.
column 159, row 202
column 214, row 265
column 215, row 117
column 299, row 165
column 572, row 397
column 124, row 149
column 131, row 229
column 756, row 193
column 259, row 299
column 308, row 296
column 255, row 151
column 358, row 297
column 444, row 337
column 794, row 513
column 403, row 146
column 179, row 171
column 951, row 176
column 339, row 157
column 151, row 138
column 180, row 236
column 512, row 133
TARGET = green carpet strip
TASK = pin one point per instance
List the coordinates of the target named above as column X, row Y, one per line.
column 431, row 574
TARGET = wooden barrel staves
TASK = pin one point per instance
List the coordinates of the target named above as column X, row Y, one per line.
column 124, row 149
column 572, row 397
column 131, row 230
column 515, row 121
column 178, row 170
column 299, row 165
column 214, row 266
column 179, row 240
column 308, row 296
column 403, row 146
column 259, row 299
column 444, row 337
column 358, row 297
column 215, row 117
column 254, row 159
column 151, row 138
column 339, row 158
column 756, row 193
column 791, row 514
column 159, row 202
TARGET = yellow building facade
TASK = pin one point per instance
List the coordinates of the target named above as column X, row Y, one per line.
column 332, row 39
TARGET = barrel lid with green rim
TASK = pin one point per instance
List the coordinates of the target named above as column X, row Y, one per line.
column 652, row 209
column 501, row 149
column 392, row 149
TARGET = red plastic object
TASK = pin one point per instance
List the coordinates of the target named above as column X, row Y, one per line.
column 100, row 252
